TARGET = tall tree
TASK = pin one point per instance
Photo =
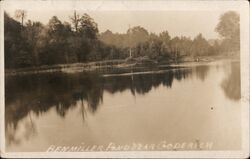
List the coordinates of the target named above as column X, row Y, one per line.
column 32, row 33
column 17, row 49
column 57, row 46
column 75, row 19
column 12, row 38
column 21, row 14
column 229, row 29
column 228, row 26
column 88, row 27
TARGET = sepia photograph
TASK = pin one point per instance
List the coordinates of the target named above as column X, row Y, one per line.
column 124, row 79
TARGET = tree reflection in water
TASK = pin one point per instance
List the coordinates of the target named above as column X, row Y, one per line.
column 201, row 71
column 231, row 84
column 36, row 94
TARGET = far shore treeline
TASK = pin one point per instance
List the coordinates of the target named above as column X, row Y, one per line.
column 30, row 43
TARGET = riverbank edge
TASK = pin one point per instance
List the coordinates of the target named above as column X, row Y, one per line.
column 111, row 64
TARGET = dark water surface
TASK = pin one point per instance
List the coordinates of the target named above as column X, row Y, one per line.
column 187, row 105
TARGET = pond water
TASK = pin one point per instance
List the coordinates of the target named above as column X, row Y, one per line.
column 193, row 104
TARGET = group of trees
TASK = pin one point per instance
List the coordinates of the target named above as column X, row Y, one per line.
column 34, row 44
column 157, row 46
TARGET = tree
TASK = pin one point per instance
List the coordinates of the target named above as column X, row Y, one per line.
column 116, row 39
column 108, row 37
column 75, row 20
column 16, row 50
column 165, row 37
column 21, row 14
column 229, row 29
column 12, row 36
column 88, row 27
column 216, row 48
column 175, row 45
column 57, row 45
column 33, row 34
column 55, row 26
column 35, row 44
column 136, row 35
column 200, row 46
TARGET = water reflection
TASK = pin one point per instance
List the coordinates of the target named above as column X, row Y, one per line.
column 37, row 94
column 201, row 71
column 231, row 84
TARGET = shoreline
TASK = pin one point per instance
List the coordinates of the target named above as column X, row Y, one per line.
column 113, row 64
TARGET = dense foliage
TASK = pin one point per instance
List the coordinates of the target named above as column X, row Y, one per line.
column 229, row 30
column 35, row 44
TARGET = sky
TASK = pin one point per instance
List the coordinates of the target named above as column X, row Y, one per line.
column 177, row 23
